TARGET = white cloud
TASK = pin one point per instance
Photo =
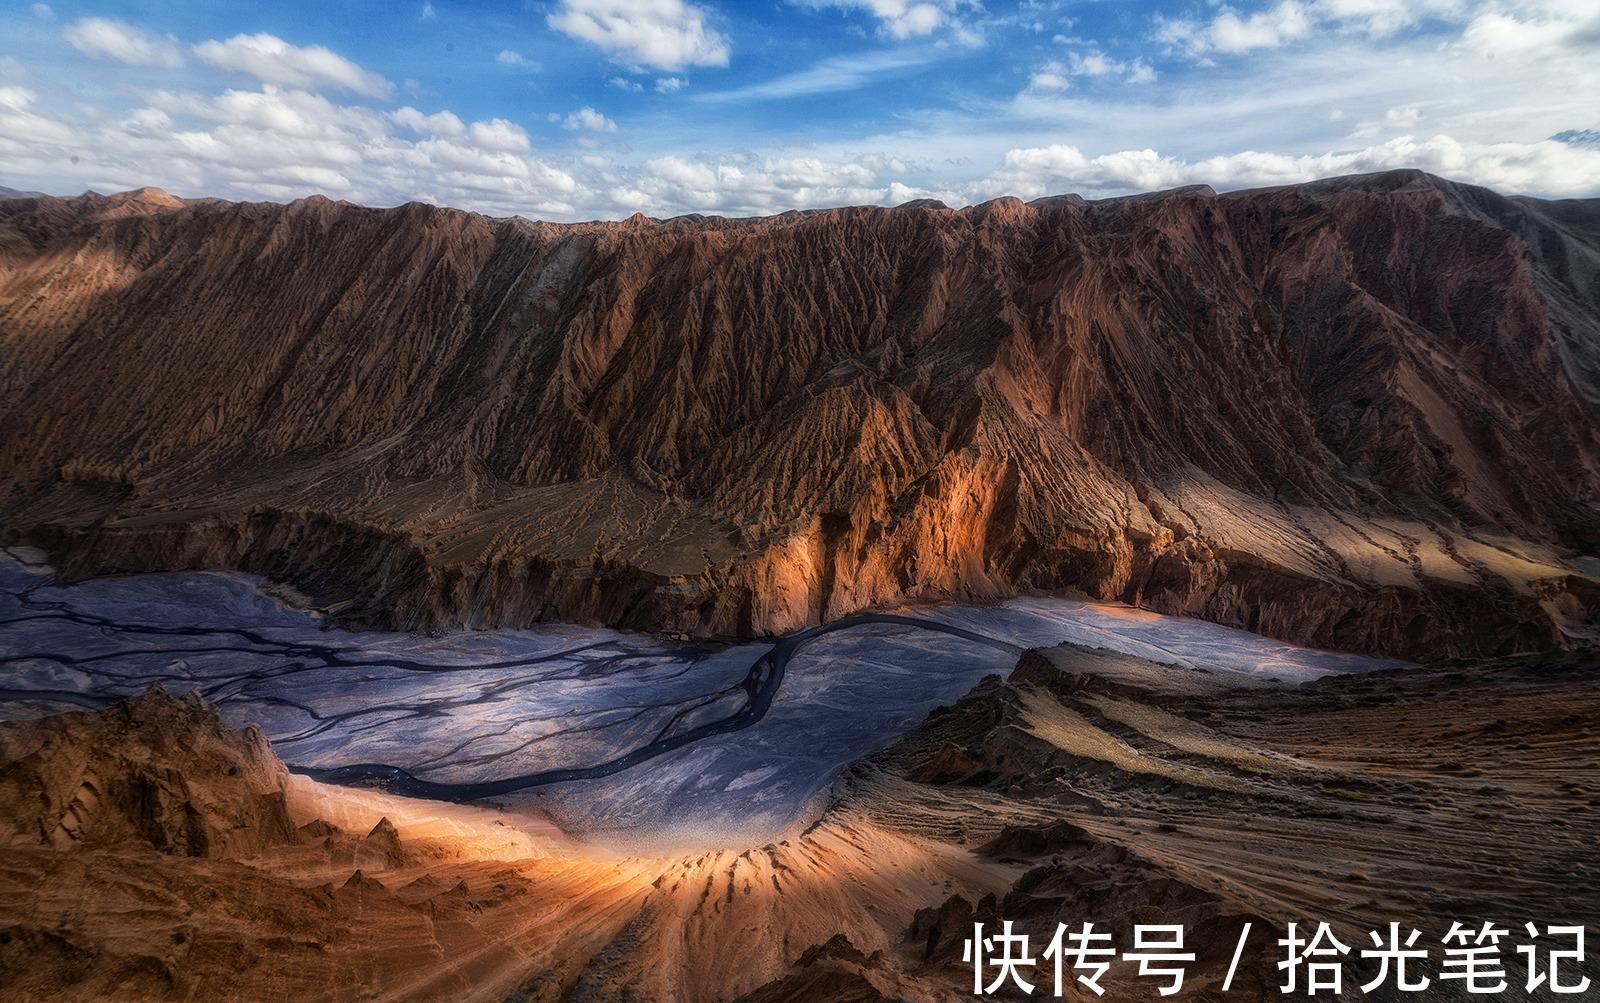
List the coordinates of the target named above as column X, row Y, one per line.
column 498, row 134
column 148, row 121
column 43, row 11
column 509, row 57
column 428, row 13
column 285, row 143
column 1402, row 118
column 1284, row 23
column 1094, row 63
column 274, row 61
column 23, row 128
column 666, row 34
column 1494, row 28
column 442, row 123
column 1230, row 32
column 1534, row 35
column 1140, row 72
column 745, row 185
column 670, row 85
column 588, row 119
column 901, row 19
column 836, row 73
column 1485, row 91
column 1051, row 78
column 1381, row 18
column 1548, row 166
column 107, row 38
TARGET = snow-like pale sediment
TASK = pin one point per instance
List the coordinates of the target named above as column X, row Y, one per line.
column 471, row 706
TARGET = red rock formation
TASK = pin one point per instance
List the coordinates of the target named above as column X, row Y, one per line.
column 150, row 771
column 1358, row 413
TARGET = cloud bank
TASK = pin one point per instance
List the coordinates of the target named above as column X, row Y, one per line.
column 1275, row 92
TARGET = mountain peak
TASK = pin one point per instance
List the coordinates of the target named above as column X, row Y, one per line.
column 1578, row 137
column 147, row 196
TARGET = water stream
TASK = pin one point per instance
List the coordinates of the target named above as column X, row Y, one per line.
column 607, row 732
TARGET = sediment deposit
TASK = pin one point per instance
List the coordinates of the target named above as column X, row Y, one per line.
column 1088, row 785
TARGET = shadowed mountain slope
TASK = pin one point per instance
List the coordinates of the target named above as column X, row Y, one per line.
column 1358, row 413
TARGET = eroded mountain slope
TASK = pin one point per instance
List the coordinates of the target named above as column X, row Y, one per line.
column 1358, row 413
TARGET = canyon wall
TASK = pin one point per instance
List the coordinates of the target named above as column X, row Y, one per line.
column 1358, row 413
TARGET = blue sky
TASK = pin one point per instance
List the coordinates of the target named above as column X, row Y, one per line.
column 574, row 109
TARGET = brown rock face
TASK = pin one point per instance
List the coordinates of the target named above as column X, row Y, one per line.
column 151, row 771
column 1359, row 413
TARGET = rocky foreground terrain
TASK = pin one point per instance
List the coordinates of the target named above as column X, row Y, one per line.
column 152, row 854
column 1357, row 413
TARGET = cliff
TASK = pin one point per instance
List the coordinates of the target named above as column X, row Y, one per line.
column 1357, row 413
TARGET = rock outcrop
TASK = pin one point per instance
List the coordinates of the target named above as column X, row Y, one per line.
column 150, row 771
column 1356, row 413
column 147, row 853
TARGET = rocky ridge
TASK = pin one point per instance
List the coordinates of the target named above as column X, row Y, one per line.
column 1358, row 413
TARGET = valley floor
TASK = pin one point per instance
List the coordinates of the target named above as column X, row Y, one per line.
column 153, row 853
column 641, row 741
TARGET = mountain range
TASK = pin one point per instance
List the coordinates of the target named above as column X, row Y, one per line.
column 1359, row 413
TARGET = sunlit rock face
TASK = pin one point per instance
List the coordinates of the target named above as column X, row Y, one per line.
column 626, row 739
column 1357, row 413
